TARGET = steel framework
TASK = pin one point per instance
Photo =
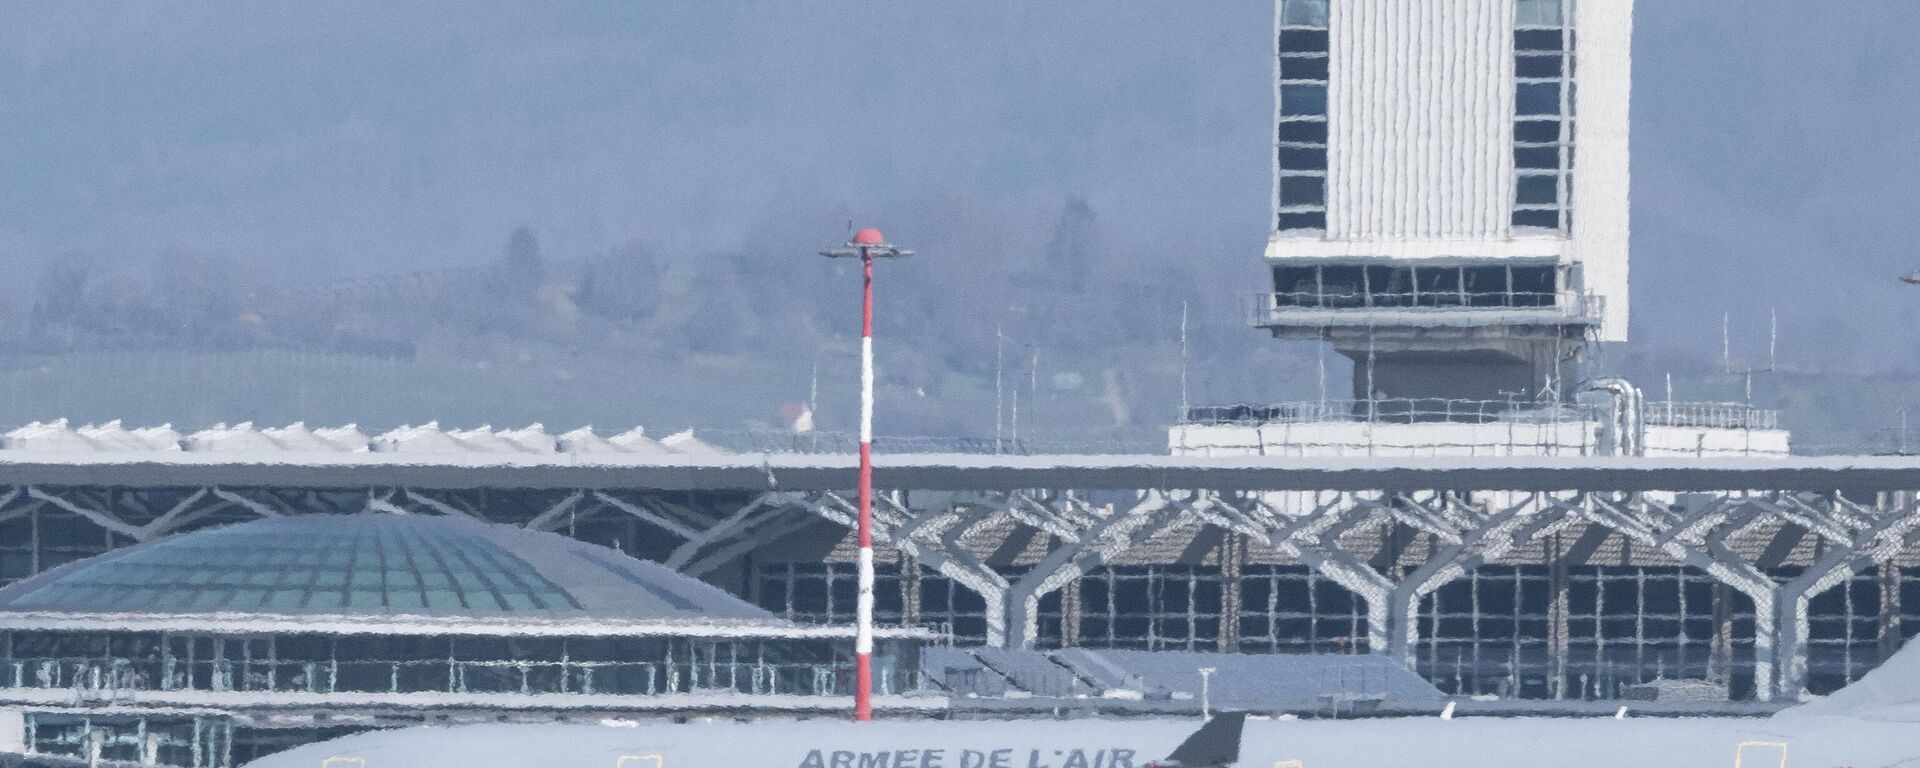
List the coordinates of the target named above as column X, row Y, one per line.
column 1393, row 549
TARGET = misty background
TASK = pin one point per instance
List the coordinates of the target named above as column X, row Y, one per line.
column 608, row 213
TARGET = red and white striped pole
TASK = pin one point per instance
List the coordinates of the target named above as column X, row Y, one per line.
column 868, row 245
column 863, row 616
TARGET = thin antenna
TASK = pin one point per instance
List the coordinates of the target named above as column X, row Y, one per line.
column 1372, row 406
column 1033, row 387
column 1014, row 399
column 1669, row 387
column 1773, row 339
column 1552, row 392
column 1726, row 342
column 1323, row 378
column 999, row 397
column 1183, row 361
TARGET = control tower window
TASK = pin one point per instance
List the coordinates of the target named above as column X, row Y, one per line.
column 1390, row 286
column 1305, row 13
column 1533, row 286
column 1355, row 286
column 1344, row 286
column 1296, row 286
column 1300, row 141
column 1438, row 286
column 1543, row 97
column 1484, row 286
column 1540, row 13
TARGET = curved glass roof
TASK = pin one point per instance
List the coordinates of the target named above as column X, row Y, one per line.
column 375, row 564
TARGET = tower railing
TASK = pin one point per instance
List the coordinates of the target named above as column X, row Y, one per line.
column 1393, row 411
column 1668, row 413
column 1565, row 306
column 1439, row 410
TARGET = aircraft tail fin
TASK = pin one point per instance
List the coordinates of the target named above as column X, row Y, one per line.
column 1215, row 745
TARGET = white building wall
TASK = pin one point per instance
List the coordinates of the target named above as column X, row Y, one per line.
column 1359, row 438
column 1603, row 69
column 13, row 731
column 1695, row 441
column 1420, row 111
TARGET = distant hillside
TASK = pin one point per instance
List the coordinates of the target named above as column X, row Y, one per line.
column 1071, row 341
column 1066, row 342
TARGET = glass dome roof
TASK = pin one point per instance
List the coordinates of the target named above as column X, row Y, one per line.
column 392, row 565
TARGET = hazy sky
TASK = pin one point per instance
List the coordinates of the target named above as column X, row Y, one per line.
column 1775, row 148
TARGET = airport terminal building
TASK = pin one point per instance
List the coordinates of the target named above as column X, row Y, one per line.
column 212, row 647
column 1590, row 587
column 1450, row 214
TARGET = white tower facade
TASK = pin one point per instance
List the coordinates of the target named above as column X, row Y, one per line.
column 1450, row 201
column 1450, row 212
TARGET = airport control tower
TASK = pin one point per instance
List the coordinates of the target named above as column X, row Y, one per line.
column 1450, row 190
column 1450, row 213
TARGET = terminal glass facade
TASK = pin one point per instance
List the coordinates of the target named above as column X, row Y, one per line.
column 828, row 593
column 175, row 740
column 130, row 662
column 1494, row 631
column 1621, row 625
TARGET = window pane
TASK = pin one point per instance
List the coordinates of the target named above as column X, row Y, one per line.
column 1313, row 220
column 1306, row 13
column 1390, row 287
column 1538, row 190
column 1296, row 286
column 1533, row 287
column 1303, row 159
column 1305, row 67
column 1486, row 286
column 1537, row 131
column 1343, row 287
column 1547, row 219
column 1305, row 131
column 1303, row 41
column 1303, row 190
column 1440, row 287
column 1305, row 99
column 1541, row 13
column 1528, row 98
column 810, row 596
column 1547, row 65
column 1538, row 40
column 1536, row 158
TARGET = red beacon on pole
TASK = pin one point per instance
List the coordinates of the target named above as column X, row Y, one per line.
column 867, row 245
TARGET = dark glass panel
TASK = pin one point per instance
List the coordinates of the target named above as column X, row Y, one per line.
column 1298, row 99
column 1528, row 98
column 1538, row 190
column 1536, row 131
column 1305, row 131
column 1298, row 221
column 1538, row 40
column 1303, row 41
column 1544, row 66
column 1303, row 67
column 1343, row 285
column 1303, row 190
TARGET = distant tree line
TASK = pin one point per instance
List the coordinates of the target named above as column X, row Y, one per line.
column 959, row 322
